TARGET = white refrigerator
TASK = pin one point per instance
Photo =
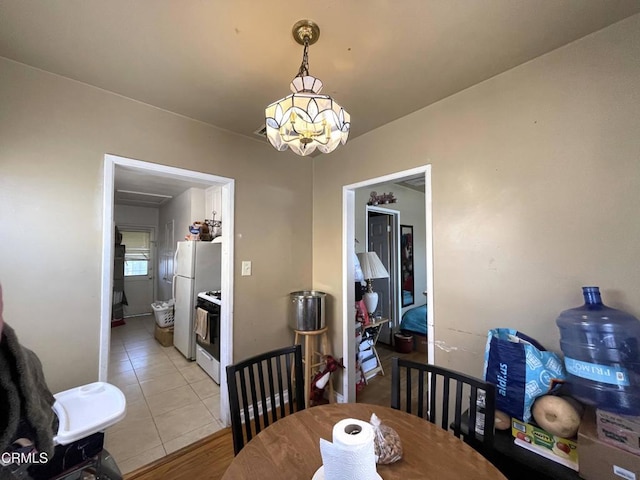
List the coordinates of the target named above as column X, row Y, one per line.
column 197, row 269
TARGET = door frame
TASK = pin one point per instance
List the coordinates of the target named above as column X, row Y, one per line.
column 348, row 252
column 395, row 219
column 108, row 230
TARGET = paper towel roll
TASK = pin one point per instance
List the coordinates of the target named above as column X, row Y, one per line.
column 351, row 455
column 352, row 432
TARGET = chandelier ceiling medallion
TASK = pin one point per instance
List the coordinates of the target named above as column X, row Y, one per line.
column 306, row 120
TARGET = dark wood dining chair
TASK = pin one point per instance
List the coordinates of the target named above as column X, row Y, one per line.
column 431, row 397
column 263, row 389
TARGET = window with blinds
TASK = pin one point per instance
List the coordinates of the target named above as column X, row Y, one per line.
column 137, row 253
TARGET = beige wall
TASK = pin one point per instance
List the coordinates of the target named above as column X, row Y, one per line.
column 536, row 192
column 54, row 133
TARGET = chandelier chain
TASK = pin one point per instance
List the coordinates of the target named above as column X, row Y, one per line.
column 304, row 66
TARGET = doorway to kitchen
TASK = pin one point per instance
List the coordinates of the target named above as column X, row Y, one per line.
column 165, row 174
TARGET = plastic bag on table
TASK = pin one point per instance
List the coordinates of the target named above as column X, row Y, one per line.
column 388, row 448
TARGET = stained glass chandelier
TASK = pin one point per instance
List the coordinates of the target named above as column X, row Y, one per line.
column 306, row 120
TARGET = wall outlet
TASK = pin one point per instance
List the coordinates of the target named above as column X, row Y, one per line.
column 246, row 268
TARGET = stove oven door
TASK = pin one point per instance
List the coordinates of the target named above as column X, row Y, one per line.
column 208, row 351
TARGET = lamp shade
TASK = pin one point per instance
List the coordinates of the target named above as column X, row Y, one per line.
column 306, row 120
column 371, row 266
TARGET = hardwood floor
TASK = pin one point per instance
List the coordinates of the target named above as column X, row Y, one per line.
column 209, row 458
column 378, row 390
column 206, row 459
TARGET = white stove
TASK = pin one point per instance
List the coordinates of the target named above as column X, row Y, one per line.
column 213, row 296
column 208, row 349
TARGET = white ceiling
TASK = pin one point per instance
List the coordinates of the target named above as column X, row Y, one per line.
column 223, row 61
column 143, row 189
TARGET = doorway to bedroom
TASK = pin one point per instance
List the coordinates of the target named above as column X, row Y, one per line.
column 407, row 196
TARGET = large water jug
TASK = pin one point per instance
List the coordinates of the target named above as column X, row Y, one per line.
column 602, row 355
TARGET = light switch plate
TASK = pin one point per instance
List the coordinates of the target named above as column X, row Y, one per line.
column 246, row 268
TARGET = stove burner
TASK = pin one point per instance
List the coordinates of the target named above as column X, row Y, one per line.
column 211, row 296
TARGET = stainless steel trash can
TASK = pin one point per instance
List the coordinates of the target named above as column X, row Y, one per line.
column 306, row 310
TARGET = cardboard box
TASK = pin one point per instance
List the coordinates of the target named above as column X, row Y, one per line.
column 419, row 343
column 164, row 335
column 600, row 460
column 531, row 437
column 619, row 430
column 625, row 422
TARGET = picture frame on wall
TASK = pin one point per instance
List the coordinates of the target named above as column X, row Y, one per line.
column 406, row 264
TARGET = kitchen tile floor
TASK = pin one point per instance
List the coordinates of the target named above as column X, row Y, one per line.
column 171, row 402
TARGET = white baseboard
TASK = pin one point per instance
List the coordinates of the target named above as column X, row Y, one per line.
column 339, row 398
column 260, row 409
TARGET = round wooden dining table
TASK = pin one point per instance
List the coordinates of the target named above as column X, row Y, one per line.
column 290, row 448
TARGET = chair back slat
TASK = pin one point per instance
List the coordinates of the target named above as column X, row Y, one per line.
column 275, row 386
column 257, row 397
column 287, row 377
column 421, row 401
column 254, row 401
column 457, row 417
column 490, row 403
column 433, row 409
column 245, row 402
column 445, row 399
column 462, row 408
column 272, row 390
column 395, row 386
column 473, row 412
column 262, row 393
column 300, row 392
column 408, row 391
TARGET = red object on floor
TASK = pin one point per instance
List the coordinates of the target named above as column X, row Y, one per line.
column 404, row 343
column 117, row 323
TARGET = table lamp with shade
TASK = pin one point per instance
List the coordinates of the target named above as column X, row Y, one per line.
column 372, row 268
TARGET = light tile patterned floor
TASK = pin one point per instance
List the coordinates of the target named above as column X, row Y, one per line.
column 171, row 402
